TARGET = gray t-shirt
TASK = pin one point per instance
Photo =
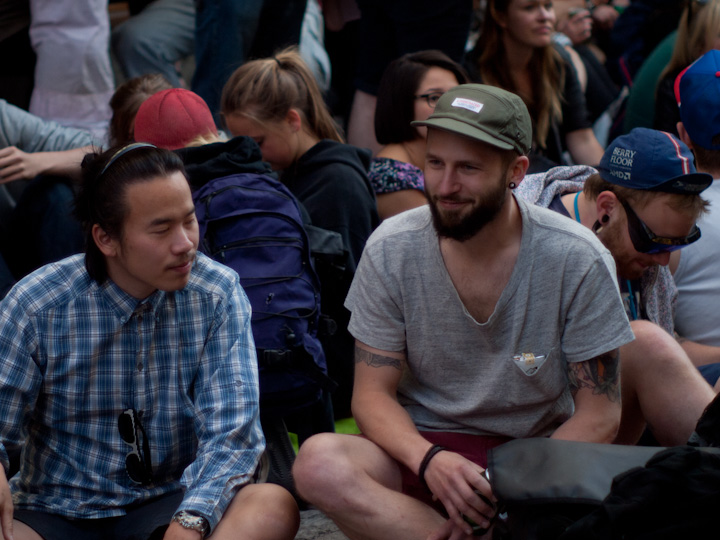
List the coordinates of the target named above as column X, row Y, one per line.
column 697, row 278
column 507, row 376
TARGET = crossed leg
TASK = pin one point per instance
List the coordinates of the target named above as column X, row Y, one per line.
column 661, row 388
column 358, row 486
column 257, row 512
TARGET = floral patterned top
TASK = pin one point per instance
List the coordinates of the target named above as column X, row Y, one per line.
column 390, row 175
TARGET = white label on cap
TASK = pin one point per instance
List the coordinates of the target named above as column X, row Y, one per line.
column 468, row 104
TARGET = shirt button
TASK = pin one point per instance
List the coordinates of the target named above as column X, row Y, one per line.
column 140, row 366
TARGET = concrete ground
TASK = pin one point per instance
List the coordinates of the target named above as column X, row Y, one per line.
column 314, row 525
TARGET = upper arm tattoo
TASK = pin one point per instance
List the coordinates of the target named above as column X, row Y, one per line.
column 376, row 360
column 600, row 374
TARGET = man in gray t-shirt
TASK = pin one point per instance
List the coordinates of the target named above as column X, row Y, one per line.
column 505, row 374
column 478, row 319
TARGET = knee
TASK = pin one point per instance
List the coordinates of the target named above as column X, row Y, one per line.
column 653, row 352
column 264, row 511
column 645, row 331
column 651, row 344
column 320, row 466
column 130, row 41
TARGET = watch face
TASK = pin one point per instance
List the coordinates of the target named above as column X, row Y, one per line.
column 190, row 521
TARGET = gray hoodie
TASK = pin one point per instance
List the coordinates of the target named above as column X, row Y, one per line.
column 657, row 287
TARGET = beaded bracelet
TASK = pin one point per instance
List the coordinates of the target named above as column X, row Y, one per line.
column 425, row 461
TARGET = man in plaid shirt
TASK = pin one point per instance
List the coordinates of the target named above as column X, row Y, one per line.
column 129, row 379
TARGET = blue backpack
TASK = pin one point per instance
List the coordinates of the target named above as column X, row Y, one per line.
column 253, row 224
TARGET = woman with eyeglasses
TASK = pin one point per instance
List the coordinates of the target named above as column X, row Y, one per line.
column 409, row 89
column 515, row 51
column 697, row 33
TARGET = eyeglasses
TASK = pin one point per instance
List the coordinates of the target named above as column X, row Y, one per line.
column 137, row 462
column 646, row 241
column 431, row 98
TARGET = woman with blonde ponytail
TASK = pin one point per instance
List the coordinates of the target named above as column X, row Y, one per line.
column 277, row 102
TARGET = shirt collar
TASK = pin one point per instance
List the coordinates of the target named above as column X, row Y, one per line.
column 124, row 304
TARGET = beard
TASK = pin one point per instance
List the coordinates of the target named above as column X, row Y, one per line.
column 610, row 235
column 463, row 225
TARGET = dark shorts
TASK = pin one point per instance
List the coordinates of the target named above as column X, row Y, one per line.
column 147, row 521
column 471, row 447
column 389, row 29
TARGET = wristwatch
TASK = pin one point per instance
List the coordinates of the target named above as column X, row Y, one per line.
column 192, row 521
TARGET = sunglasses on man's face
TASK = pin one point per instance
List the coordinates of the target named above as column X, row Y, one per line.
column 137, row 461
column 646, row 241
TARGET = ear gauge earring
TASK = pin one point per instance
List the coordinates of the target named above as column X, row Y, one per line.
column 597, row 227
column 512, row 185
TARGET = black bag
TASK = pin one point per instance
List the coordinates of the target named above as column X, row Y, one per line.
column 545, row 485
column 676, row 495
column 565, row 490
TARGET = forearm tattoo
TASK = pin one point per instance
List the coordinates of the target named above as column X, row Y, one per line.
column 600, row 374
column 375, row 360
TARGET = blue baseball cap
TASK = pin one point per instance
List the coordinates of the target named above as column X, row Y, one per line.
column 652, row 160
column 698, row 87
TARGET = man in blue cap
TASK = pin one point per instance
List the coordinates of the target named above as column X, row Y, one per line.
column 642, row 204
column 695, row 271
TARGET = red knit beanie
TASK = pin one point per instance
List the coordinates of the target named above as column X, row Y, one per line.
column 172, row 118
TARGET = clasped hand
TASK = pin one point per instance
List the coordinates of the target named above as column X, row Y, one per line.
column 458, row 484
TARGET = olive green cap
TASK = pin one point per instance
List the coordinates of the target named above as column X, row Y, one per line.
column 484, row 113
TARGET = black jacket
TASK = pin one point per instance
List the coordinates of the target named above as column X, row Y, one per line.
column 238, row 155
column 330, row 180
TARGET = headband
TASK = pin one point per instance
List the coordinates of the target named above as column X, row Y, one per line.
column 124, row 150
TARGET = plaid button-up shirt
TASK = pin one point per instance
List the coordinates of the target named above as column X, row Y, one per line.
column 74, row 355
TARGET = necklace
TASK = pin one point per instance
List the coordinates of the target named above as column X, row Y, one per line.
column 575, row 206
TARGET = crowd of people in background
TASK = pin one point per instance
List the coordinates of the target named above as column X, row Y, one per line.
column 429, row 138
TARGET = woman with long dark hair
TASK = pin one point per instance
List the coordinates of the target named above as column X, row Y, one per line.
column 515, row 52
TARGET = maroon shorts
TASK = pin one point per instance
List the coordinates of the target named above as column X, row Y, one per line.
column 471, row 447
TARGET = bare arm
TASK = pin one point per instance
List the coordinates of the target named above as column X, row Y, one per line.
column 177, row 532
column 451, row 478
column 16, row 164
column 595, row 386
column 700, row 354
column 584, row 147
column 580, row 70
column 605, row 16
column 6, row 507
column 376, row 409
